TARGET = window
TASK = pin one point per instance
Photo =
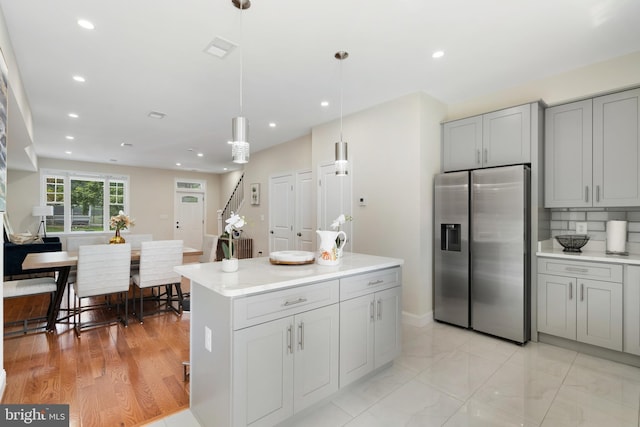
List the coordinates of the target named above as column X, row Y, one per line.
column 83, row 202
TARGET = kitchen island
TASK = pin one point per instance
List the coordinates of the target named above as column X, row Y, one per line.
column 269, row 341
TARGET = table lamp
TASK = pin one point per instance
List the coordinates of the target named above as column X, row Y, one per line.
column 42, row 212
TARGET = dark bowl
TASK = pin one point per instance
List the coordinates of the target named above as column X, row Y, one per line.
column 572, row 242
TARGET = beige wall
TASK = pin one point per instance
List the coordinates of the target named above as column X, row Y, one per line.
column 394, row 153
column 151, row 195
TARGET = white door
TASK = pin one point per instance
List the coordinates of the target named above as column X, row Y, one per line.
column 316, row 356
column 281, row 212
column 189, row 218
column 334, row 198
column 304, row 229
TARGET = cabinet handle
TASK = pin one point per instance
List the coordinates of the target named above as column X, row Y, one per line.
column 371, row 311
column 586, row 194
column 478, row 156
column 597, row 193
column 301, row 333
column 289, row 340
column 294, row 302
column 486, row 155
column 581, row 291
column 379, row 309
column 377, row 282
column 570, row 290
column 577, row 270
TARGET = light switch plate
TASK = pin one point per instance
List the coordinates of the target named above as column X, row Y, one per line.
column 581, row 228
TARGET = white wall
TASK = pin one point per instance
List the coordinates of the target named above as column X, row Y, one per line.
column 394, row 151
column 151, row 195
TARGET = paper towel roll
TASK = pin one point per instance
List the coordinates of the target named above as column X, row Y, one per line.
column 616, row 237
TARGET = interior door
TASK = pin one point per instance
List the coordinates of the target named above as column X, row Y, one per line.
column 334, row 198
column 304, row 221
column 281, row 212
column 189, row 218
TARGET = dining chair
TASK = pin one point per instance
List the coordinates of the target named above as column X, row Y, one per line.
column 25, row 288
column 209, row 245
column 102, row 270
column 157, row 260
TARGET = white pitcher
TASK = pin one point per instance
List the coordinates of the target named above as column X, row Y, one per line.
column 328, row 248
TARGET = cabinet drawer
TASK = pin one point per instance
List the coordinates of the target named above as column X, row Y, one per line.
column 261, row 308
column 362, row 284
column 581, row 269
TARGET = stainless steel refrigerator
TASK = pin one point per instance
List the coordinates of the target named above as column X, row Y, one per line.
column 482, row 260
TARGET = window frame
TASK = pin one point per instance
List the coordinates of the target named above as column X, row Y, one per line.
column 67, row 176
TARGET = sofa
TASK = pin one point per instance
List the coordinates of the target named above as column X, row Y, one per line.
column 14, row 255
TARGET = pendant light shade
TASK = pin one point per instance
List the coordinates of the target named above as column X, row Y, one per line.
column 342, row 161
column 240, row 138
column 240, row 125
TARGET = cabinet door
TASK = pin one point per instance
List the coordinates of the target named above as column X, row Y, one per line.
column 506, row 136
column 263, row 373
column 616, row 145
column 462, row 144
column 568, row 155
column 316, row 355
column 557, row 305
column 599, row 313
column 357, row 318
column 631, row 310
column 388, row 334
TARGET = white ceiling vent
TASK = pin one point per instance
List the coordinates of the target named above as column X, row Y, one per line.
column 220, row 47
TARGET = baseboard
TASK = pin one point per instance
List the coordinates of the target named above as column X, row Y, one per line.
column 417, row 320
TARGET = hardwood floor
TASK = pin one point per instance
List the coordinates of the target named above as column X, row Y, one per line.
column 111, row 376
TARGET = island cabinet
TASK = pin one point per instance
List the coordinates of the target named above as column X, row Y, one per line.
column 370, row 322
column 631, row 310
column 285, row 365
column 494, row 139
column 581, row 301
column 592, row 152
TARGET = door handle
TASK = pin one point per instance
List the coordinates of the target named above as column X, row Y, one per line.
column 486, row 155
column 379, row 309
column 570, row 290
column 301, row 337
column 271, row 231
column 478, row 156
column 586, row 194
column 289, row 340
column 371, row 311
column 581, row 291
column 299, row 234
column 597, row 193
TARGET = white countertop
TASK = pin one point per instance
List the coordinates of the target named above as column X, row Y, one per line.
column 597, row 256
column 257, row 275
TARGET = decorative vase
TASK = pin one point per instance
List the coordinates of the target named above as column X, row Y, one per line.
column 329, row 251
column 229, row 265
column 117, row 238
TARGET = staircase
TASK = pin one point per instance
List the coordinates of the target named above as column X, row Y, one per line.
column 233, row 205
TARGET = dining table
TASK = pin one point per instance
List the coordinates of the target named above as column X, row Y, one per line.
column 62, row 262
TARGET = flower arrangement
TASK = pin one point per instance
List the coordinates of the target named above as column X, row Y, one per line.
column 234, row 223
column 338, row 222
column 121, row 221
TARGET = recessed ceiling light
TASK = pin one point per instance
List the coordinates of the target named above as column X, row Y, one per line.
column 79, row 79
column 70, row 138
column 200, row 154
column 178, row 164
column 272, row 125
column 87, row 25
column 73, row 115
column 113, row 160
column 224, row 169
column 126, row 144
column 324, row 104
column 67, row 152
column 220, row 47
column 156, row 115
column 437, row 54
column 229, row 142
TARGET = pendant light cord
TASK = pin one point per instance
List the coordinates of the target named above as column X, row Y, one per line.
column 341, row 98
column 241, row 55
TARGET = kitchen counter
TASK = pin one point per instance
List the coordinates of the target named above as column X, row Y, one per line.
column 256, row 275
column 596, row 256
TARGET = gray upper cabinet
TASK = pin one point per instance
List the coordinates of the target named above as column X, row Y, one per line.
column 568, row 155
column 616, row 149
column 592, row 152
column 499, row 138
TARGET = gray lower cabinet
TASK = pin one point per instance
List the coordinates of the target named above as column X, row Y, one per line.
column 592, row 152
column 581, row 301
column 631, row 343
column 494, row 139
column 370, row 323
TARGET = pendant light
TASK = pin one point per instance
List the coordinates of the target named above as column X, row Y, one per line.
column 342, row 161
column 240, row 124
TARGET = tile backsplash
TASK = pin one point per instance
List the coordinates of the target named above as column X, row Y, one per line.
column 563, row 221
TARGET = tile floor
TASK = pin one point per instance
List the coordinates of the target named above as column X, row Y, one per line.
column 447, row 376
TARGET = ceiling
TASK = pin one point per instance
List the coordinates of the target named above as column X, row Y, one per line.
column 148, row 55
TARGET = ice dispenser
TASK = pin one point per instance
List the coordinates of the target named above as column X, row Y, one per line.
column 450, row 239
